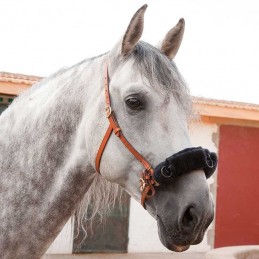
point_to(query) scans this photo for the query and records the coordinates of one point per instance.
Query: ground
(186, 255)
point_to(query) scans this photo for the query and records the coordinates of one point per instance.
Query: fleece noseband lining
(185, 161)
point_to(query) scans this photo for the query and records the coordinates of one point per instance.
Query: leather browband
(147, 181)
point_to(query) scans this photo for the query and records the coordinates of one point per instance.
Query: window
(5, 100)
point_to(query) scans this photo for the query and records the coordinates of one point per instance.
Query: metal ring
(209, 161)
(168, 175)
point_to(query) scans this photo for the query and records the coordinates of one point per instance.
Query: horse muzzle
(179, 235)
(193, 211)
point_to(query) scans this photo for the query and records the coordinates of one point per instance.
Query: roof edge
(225, 103)
(19, 78)
(210, 110)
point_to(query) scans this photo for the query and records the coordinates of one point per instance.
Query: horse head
(152, 106)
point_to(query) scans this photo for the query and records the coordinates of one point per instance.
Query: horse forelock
(162, 72)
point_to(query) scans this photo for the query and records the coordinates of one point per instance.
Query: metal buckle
(108, 111)
(148, 169)
(142, 184)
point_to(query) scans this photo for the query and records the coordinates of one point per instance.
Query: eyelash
(134, 103)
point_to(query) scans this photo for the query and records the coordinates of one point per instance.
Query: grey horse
(50, 135)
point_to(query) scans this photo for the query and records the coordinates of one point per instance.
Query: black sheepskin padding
(185, 161)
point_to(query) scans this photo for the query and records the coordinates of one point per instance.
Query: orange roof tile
(224, 103)
(14, 84)
(18, 78)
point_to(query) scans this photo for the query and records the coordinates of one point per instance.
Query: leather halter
(147, 181)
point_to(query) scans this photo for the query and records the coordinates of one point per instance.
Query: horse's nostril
(189, 219)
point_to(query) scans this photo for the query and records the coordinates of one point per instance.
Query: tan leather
(102, 147)
(147, 184)
(147, 181)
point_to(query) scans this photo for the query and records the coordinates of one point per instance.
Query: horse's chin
(169, 244)
(174, 243)
(179, 248)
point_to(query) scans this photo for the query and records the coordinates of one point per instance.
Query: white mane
(97, 203)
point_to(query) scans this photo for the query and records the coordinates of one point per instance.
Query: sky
(219, 55)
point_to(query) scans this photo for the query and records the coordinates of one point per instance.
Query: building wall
(63, 244)
(237, 210)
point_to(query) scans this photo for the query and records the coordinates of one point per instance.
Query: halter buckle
(108, 111)
(142, 184)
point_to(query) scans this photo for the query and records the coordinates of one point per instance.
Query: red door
(237, 208)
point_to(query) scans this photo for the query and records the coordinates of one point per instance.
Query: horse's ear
(134, 31)
(173, 39)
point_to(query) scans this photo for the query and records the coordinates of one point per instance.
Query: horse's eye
(133, 103)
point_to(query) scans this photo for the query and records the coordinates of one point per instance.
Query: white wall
(63, 244)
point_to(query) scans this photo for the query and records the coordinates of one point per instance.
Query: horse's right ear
(134, 32)
(173, 40)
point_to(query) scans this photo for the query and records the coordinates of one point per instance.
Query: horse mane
(97, 204)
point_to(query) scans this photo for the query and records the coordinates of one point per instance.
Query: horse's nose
(189, 219)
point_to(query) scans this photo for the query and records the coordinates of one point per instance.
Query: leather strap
(147, 184)
(102, 147)
(147, 180)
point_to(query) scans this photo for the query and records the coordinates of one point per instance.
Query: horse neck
(43, 164)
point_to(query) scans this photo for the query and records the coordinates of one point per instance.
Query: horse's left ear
(134, 31)
(173, 39)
